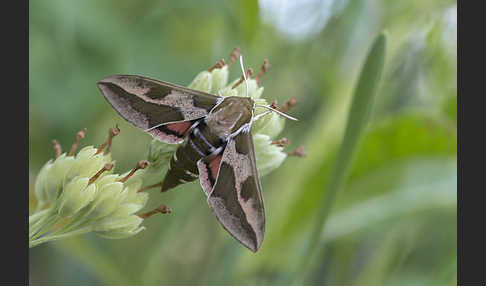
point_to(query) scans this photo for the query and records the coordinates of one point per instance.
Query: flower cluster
(80, 193)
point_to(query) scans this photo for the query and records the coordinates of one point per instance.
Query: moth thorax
(230, 115)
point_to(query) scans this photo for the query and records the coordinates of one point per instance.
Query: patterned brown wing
(236, 197)
(146, 103)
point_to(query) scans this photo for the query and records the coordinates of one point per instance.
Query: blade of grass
(410, 196)
(358, 118)
(249, 18)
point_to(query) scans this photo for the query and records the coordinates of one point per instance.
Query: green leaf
(358, 118)
(249, 18)
(425, 183)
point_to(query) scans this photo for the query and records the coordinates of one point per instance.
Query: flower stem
(45, 226)
(75, 222)
(39, 220)
(48, 238)
(33, 218)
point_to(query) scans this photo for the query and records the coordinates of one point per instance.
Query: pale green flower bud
(111, 211)
(107, 179)
(119, 227)
(82, 193)
(126, 209)
(55, 176)
(134, 200)
(228, 91)
(254, 91)
(220, 79)
(202, 82)
(40, 190)
(88, 163)
(212, 80)
(133, 196)
(271, 125)
(76, 195)
(160, 154)
(106, 200)
(268, 156)
(138, 198)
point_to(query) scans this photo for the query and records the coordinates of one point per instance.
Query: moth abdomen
(199, 143)
(175, 177)
(182, 167)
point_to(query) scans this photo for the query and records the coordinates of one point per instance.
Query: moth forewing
(149, 103)
(236, 197)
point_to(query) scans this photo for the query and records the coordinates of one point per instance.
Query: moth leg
(208, 168)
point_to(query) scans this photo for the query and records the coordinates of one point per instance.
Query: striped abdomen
(199, 143)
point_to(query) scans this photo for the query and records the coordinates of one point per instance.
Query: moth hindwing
(216, 146)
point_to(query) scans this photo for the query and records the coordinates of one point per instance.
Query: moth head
(269, 108)
(230, 115)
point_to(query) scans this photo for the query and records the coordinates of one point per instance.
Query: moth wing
(147, 103)
(235, 195)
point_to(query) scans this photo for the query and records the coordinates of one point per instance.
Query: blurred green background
(393, 223)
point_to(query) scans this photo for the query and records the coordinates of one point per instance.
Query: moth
(216, 145)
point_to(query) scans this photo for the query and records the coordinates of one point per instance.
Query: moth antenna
(163, 209)
(105, 168)
(219, 64)
(244, 75)
(79, 136)
(276, 111)
(260, 115)
(57, 148)
(153, 127)
(142, 164)
(262, 71)
(233, 55)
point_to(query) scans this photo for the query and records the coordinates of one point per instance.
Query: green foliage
(357, 120)
(392, 223)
